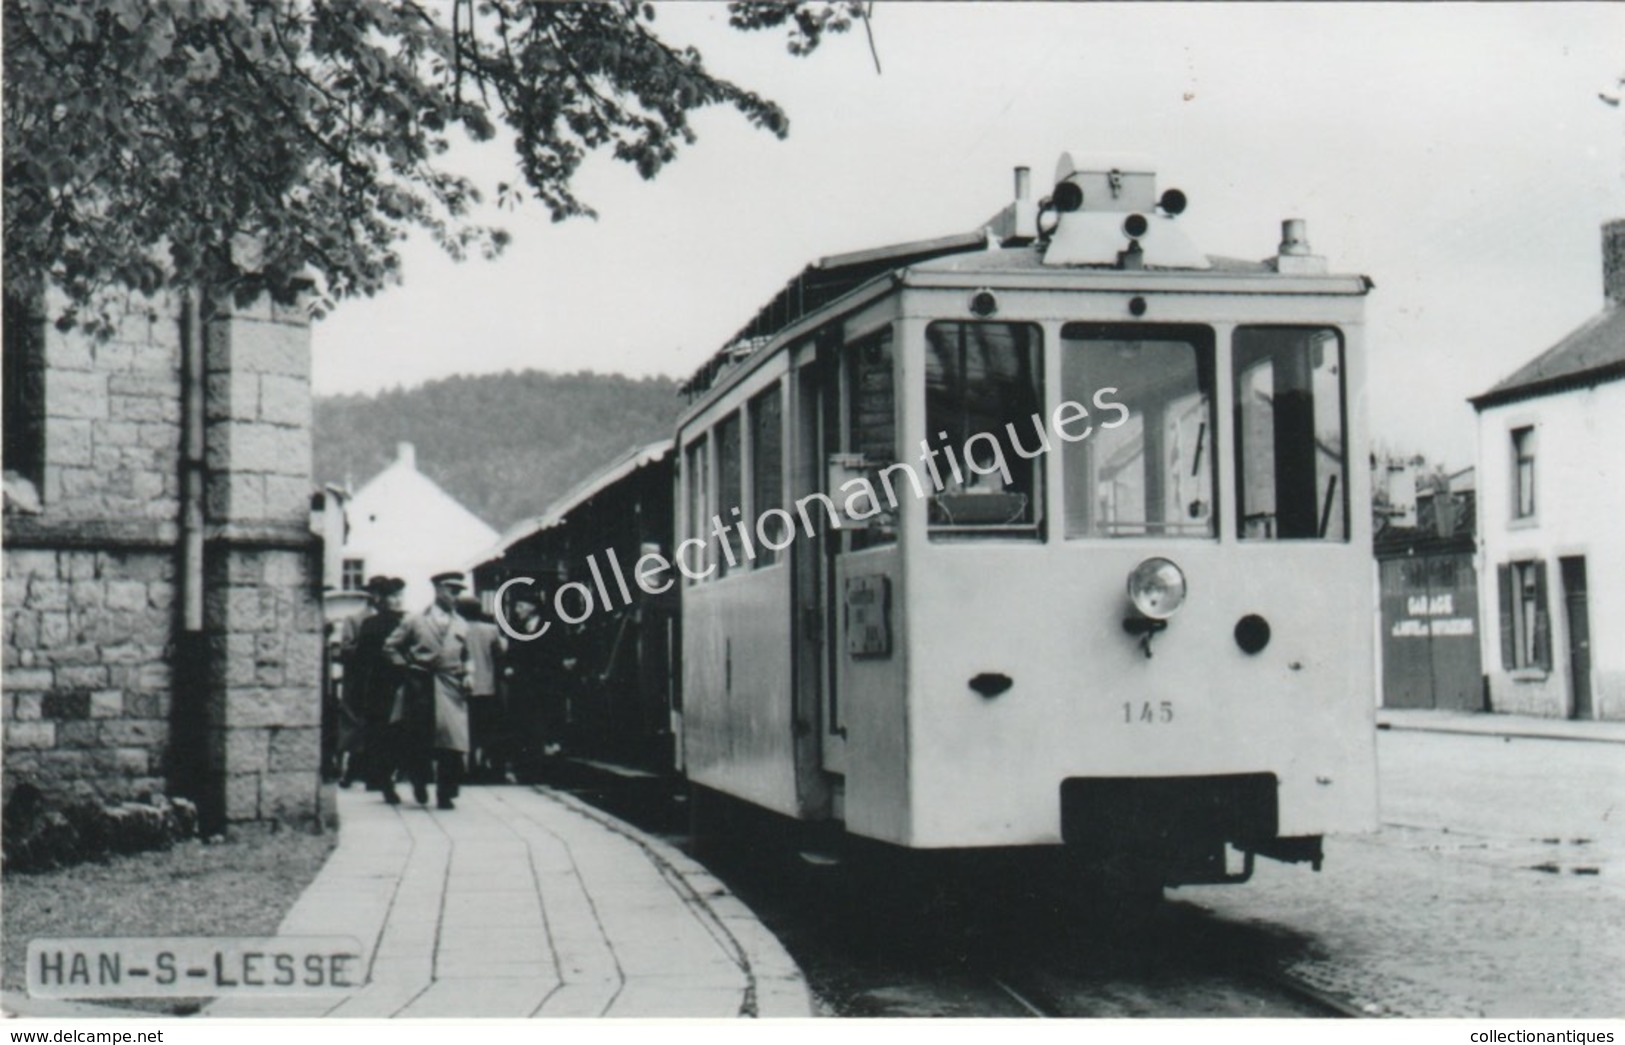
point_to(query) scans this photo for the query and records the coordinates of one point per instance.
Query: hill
(505, 445)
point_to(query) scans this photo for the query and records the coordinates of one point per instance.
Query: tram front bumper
(1157, 816)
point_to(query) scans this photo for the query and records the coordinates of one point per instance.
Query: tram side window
(871, 415)
(1145, 467)
(983, 412)
(1291, 457)
(698, 467)
(767, 476)
(730, 505)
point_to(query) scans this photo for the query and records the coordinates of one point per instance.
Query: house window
(353, 574)
(1523, 473)
(23, 356)
(1526, 641)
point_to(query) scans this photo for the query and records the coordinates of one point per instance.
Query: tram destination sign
(193, 966)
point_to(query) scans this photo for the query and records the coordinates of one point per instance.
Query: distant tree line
(505, 445)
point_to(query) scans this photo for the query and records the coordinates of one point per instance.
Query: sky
(1459, 155)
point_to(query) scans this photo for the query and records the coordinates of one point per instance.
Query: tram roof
(968, 254)
(1592, 353)
(822, 282)
(584, 491)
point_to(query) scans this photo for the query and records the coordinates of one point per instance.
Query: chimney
(1613, 261)
(406, 456)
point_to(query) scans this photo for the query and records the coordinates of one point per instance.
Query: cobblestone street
(1493, 888)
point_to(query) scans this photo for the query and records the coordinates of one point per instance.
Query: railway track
(1255, 993)
(932, 948)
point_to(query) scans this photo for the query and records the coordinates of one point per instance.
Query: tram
(1041, 536)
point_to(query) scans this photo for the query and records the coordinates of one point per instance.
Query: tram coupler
(1295, 850)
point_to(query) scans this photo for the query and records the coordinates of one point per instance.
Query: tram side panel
(738, 734)
(870, 718)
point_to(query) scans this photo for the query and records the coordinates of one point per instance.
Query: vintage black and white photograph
(790, 510)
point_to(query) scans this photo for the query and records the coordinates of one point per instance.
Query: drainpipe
(189, 688)
(192, 385)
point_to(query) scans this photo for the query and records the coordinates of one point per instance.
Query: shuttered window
(1526, 633)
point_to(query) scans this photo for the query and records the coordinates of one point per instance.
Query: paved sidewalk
(525, 902)
(1498, 725)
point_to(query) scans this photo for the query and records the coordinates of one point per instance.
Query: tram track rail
(1310, 994)
(1174, 959)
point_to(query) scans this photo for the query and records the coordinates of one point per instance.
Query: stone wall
(105, 696)
(87, 685)
(89, 584)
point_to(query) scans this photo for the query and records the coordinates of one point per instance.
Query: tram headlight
(1157, 588)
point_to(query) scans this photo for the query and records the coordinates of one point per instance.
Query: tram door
(816, 437)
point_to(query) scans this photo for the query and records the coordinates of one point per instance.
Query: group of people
(432, 696)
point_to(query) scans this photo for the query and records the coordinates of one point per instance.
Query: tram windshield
(1146, 467)
(983, 396)
(1291, 461)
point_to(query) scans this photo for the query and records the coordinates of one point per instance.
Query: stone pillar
(262, 610)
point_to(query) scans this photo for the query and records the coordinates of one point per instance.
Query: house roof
(1589, 355)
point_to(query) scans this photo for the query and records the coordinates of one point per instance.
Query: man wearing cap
(432, 710)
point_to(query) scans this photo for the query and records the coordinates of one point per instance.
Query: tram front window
(983, 396)
(1146, 467)
(1291, 463)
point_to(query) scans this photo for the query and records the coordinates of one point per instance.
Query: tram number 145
(1146, 711)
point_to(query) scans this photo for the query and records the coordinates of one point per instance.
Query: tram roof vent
(1293, 257)
(1106, 213)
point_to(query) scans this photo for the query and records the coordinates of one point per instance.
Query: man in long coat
(432, 712)
(372, 681)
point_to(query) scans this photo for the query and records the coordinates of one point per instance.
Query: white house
(1551, 497)
(402, 524)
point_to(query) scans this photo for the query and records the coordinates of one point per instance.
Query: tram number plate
(1158, 712)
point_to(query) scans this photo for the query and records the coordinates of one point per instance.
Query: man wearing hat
(431, 712)
(350, 733)
(372, 681)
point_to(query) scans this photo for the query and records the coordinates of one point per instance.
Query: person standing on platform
(431, 712)
(486, 646)
(374, 681)
(350, 719)
(531, 677)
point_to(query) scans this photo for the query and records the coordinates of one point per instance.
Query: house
(162, 623)
(403, 524)
(1552, 518)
